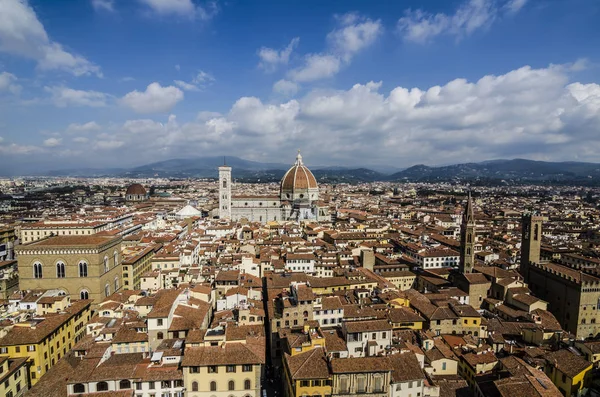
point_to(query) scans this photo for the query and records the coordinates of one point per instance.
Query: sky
(121, 83)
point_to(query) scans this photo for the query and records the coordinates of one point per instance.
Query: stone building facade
(86, 267)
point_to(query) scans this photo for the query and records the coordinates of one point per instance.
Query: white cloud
(285, 87)
(52, 142)
(355, 34)
(22, 34)
(86, 127)
(62, 96)
(177, 67)
(203, 77)
(420, 26)
(316, 67)
(80, 139)
(271, 59)
(156, 99)
(104, 5)
(186, 86)
(514, 6)
(15, 149)
(8, 83)
(182, 8)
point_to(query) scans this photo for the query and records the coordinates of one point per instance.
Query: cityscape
(275, 225)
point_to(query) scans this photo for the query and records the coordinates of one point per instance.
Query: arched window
(84, 294)
(116, 283)
(224, 183)
(37, 270)
(116, 258)
(469, 238)
(213, 386)
(83, 269)
(106, 290)
(101, 386)
(305, 314)
(194, 386)
(125, 384)
(468, 251)
(160, 336)
(78, 388)
(105, 264)
(60, 270)
(247, 384)
(535, 232)
(231, 385)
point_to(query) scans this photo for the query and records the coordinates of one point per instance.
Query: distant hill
(513, 171)
(516, 170)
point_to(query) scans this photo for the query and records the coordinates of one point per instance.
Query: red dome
(136, 189)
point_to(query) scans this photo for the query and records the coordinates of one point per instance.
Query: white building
(367, 338)
(298, 198)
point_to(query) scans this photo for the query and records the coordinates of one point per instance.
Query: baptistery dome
(299, 183)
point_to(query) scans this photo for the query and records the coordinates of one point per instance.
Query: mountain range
(494, 171)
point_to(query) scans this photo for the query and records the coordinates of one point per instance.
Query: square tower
(224, 192)
(531, 241)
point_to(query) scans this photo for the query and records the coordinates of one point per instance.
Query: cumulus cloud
(22, 34)
(527, 112)
(8, 83)
(104, 5)
(156, 99)
(271, 59)
(285, 87)
(420, 26)
(52, 142)
(353, 34)
(90, 126)
(182, 8)
(316, 67)
(186, 86)
(62, 96)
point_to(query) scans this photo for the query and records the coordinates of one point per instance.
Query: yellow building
(473, 364)
(44, 342)
(87, 267)
(13, 376)
(404, 318)
(9, 278)
(40, 230)
(137, 260)
(591, 350)
(569, 372)
(232, 369)
(307, 374)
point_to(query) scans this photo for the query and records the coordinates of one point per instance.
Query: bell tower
(224, 192)
(531, 241)
(467, 238)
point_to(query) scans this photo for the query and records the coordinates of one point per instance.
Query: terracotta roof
(308, 365)
(360, 364)
(228, 354)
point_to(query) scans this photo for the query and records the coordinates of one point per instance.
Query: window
(125, 384)
(84, 294)
(3, 350)
(304, 383)
(247, 368)
(160, 336)
(378, 384)
(194, 386)
(360, 388)
(83, 269)
(116, 258)
(443, 366)
(106, 290)
(195, 370)
(231, 385)
(213, 386)
(106, 268)
(101, 386)
(31, 348)
(213, 369)
(60, 270)
(344, 386)
(247, 384)
(78, 388)
(17, 349)
(151, 385)
(231, 368)
(383, 335)
(159, 322)
(116, 283)
(37, 270)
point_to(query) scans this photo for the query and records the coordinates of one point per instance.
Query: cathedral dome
(299, 182)
(136, 189)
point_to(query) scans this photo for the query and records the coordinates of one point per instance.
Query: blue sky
(112, 83)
